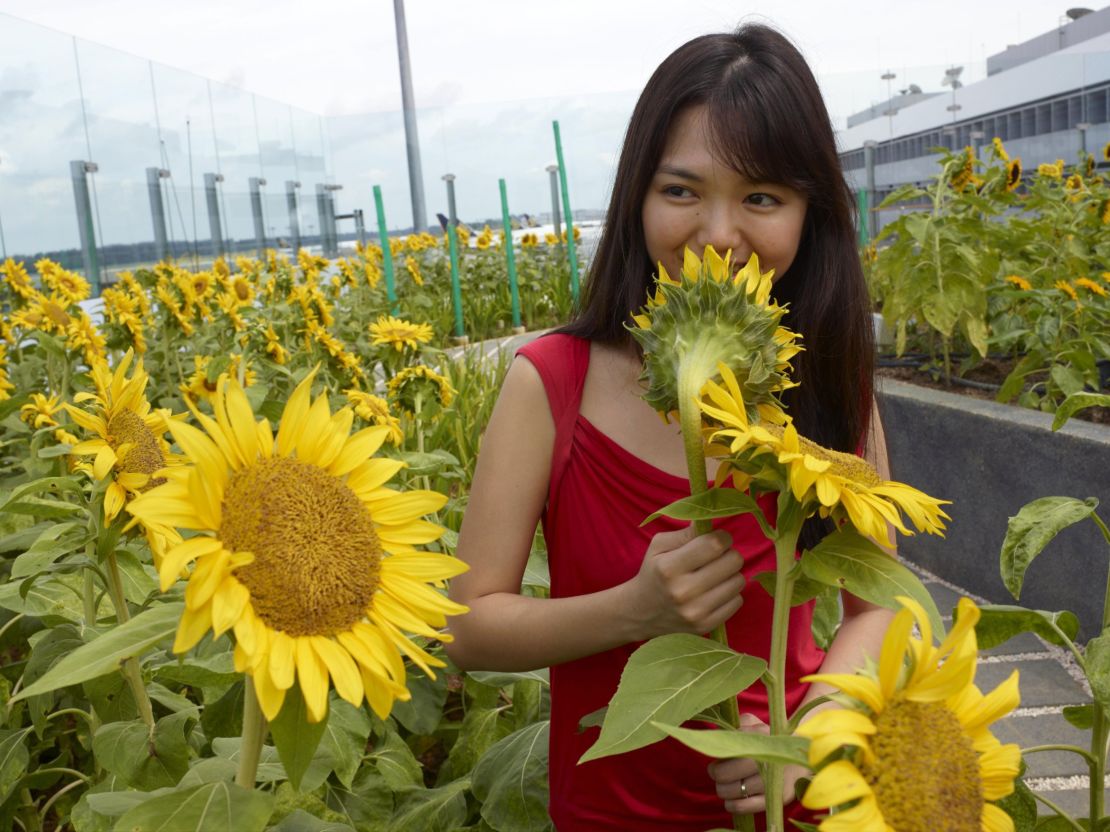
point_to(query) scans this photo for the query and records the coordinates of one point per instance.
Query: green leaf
(53, 485)
(422, 713)
(14, 758)
(396, 763)
(1081, 716)
(720, 744)
(214, 807)
(1000, 623)
(480, 729)
(847, 560)
(108, 652)
(301, 821)
(295, 737)
(367, 804)
(345, 738)
(1032, 528)
(208, 770)
(1076, 402)
(1021, 806)
(126, 749)
(56, 541)
(503, 679)
(805, 589)
(670, 679)
(49, 598)
(826, 618)
(511, 781)
(709, 505)
(430, 810)
(1097, 659)
(270, 769)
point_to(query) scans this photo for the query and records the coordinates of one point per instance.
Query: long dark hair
(768, 122)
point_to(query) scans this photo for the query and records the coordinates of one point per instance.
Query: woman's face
(695, 201)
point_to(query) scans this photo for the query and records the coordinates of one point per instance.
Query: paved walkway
(1050, 680)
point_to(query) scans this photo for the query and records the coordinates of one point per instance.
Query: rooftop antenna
(952, 79)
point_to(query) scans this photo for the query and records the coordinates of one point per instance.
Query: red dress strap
(562, 362)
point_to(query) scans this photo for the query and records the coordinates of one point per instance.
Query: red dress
(599, 493)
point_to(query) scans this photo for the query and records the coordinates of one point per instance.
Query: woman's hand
(739, 783)
(686, 584)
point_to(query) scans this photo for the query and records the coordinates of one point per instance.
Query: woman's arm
(686, 584)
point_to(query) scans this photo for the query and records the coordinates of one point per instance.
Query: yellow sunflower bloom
(399, 333)
(1000, 149)
(919, 752)
(1020, 282)
(1013, 174)
(1090, 286)
(128, 446)
(16, 277)
(835, 484)
(274, 349)
(375, 410)
(68, 285)
(242, 290)
(413, 268)
(200, 387)
(414, 387)
(1067, 289)
(40, 411)
(303, 552)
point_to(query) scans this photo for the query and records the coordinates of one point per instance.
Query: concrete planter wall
(990, 460)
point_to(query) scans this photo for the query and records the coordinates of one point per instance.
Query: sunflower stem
(692, 374)
(418, 405)
(788, 525)
(255, 729)
(130, 668)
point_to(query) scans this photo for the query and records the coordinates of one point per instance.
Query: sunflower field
(991, 263)
(230, 499)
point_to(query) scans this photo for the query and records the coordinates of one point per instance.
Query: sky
(489, 77)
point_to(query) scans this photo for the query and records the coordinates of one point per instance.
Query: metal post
(154, 177)
(453, 251)
(78, 170)
(212, 197)
(294, 214)
(977, 136)
(553, 170)
(510, 257)
(360, 227)
(572, 249)
(452, 215)
(872, 218)
(256, 183)
(322, 213)
(332, 249)
(387, 252)
(1082, 128)
(408, 103)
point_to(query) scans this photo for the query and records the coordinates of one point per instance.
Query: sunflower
(5, 385)
(1013, 174)
(398, 333)
(414, 387)
(82, 334)
(274, 349)
(835, 484)
(1090, 286)
(128, 446)
(230, 307)
(1051, 171)
(707, 317)
(414, 270)
(375, 410)
(200, 387)
(1106, 152)
(40, 411)
(68, 285)
(303, 552)
(551, 238)
(1000, 149)
(17, 279)
(914, 753)
(965, 173)
(1020, 282)
(1067, 289)
(47, 314)
(242, 290)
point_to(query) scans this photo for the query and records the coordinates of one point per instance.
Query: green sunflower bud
(708, 317)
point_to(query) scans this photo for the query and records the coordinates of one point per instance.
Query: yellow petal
(836, 784)
(270, 697)
(292, 418)
(282, 658)
(858, 687)
(105, 459)
(995, 819)
(358, 449)
(114, 499)
(343, 670)
(401, 508)
(194, 624)
(183, 554)
(313, 676)
(227, 605)
(893, 655)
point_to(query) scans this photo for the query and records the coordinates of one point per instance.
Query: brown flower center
(145, 454)
(926, 774)
(317, 556)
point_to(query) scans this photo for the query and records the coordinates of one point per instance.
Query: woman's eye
(763, 200)
(676, 190)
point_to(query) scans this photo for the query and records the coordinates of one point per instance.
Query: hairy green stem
(691, 376)
(1060, 812)
(1075, 749)
(130, 667)
(255, 729)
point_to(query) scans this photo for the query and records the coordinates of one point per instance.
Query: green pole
(387, 253)
(456, 289)
(864, 217)
(510, 257)
(568, 220)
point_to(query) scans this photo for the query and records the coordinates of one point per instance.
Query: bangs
(761, 139)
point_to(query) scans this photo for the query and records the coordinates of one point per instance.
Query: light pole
(408, 103)
(889, 76)
(952, 79)
(553, 170)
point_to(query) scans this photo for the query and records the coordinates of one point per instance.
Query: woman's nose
(721, 227)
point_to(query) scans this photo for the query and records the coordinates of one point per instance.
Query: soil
(990, 372)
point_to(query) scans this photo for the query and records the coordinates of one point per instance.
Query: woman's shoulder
(553, 346)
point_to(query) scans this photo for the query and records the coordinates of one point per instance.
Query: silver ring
(743, 789)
